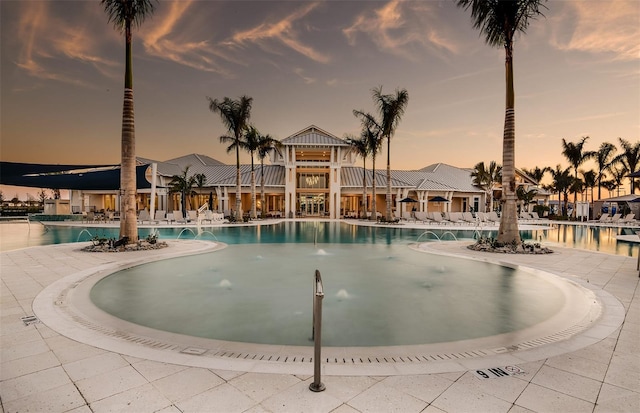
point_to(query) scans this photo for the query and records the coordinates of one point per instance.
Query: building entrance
(312, 204)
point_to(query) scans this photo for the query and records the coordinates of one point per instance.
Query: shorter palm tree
(372, 134)
(605, 159)
(486, 178)
(562, 181)
(266, 145)
(200, 182)
(630, 158)
(526, 196)
(183, 184)
(361, 147)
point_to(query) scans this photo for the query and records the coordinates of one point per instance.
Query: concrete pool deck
(42, 370)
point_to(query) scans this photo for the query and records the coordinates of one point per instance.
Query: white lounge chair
(493, 217)
(468, 217)
(143, 216)
(159, 216)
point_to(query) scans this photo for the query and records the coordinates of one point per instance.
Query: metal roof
(313, 136)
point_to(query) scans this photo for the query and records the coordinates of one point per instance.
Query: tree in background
(372, 134)
(266, 145)
(251, 143)
(576, 155)
(391, 108)
(562, 181)
(361, 148)
(630, 158)
(183, 184)
(486, 178)
(124, 14)
(200, 182)
(500, 20)
(589, 178)
(235, 116)
(604, 158)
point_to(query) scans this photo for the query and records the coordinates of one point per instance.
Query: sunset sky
(577, 73)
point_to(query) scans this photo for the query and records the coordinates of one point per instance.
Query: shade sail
(78, 177)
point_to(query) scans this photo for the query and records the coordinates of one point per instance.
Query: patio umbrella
(407, 199)
(438, 199)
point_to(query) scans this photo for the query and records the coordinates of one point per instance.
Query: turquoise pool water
(19, 235)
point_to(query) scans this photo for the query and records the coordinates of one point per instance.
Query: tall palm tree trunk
(364, 190)
(262, 200)
(373, 192)
(238, 186)
(388, 194)
(508, 232)
(128, 220)
(254, 213)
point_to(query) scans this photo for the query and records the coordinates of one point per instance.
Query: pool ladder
(316, 332)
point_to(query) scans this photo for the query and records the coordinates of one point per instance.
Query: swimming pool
(20, 234)
(376, 294)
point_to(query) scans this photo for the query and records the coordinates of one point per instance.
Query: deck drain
(30, 319)
(194, 351)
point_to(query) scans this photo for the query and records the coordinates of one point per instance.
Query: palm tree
(200, 182)
(576, 156)
(618, 175)
(500, 20)
(124, 14)
(590, 180)
(390, 108)
(487, 178)
(604, 158)
(562, 181)
(526, 196)
(266, 144)
(361, 148)
(630, 158)
(372, 135)
(536, 173)
(251, 144)
(235, 116)
(183, 184)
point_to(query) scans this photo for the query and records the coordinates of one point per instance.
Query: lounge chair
(454, 217)
(437, 217)
(421, 216)
(468, 217)
(178, 217)
(159, 216)
(615, 219)
(629, 219)
(143, 216)
(493, 217)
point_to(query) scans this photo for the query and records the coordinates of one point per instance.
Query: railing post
(318, 295)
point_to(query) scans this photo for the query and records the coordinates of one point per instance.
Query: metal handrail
(316, 334)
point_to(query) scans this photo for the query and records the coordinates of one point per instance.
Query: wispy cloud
(165, 41)
(398, 27)
(598, 27)
(281, 32)
(300, 72)
(45, 40)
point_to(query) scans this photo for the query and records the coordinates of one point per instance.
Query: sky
(576, 70)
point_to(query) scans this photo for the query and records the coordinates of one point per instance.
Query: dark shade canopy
(79, 177)
(636, 174)
(408, 200)
(438, 199)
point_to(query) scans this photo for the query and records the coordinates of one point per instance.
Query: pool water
(20, 234)
(376, 294)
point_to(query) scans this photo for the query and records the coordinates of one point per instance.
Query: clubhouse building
(313, 175)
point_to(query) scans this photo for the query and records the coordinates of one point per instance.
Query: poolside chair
(628, 219)
(178, 217)
(615, 219)
(468, 217)
(159, 216)
(454, 217)
(421, 216)
(437, 217)
(493, 217)
(143, 216)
